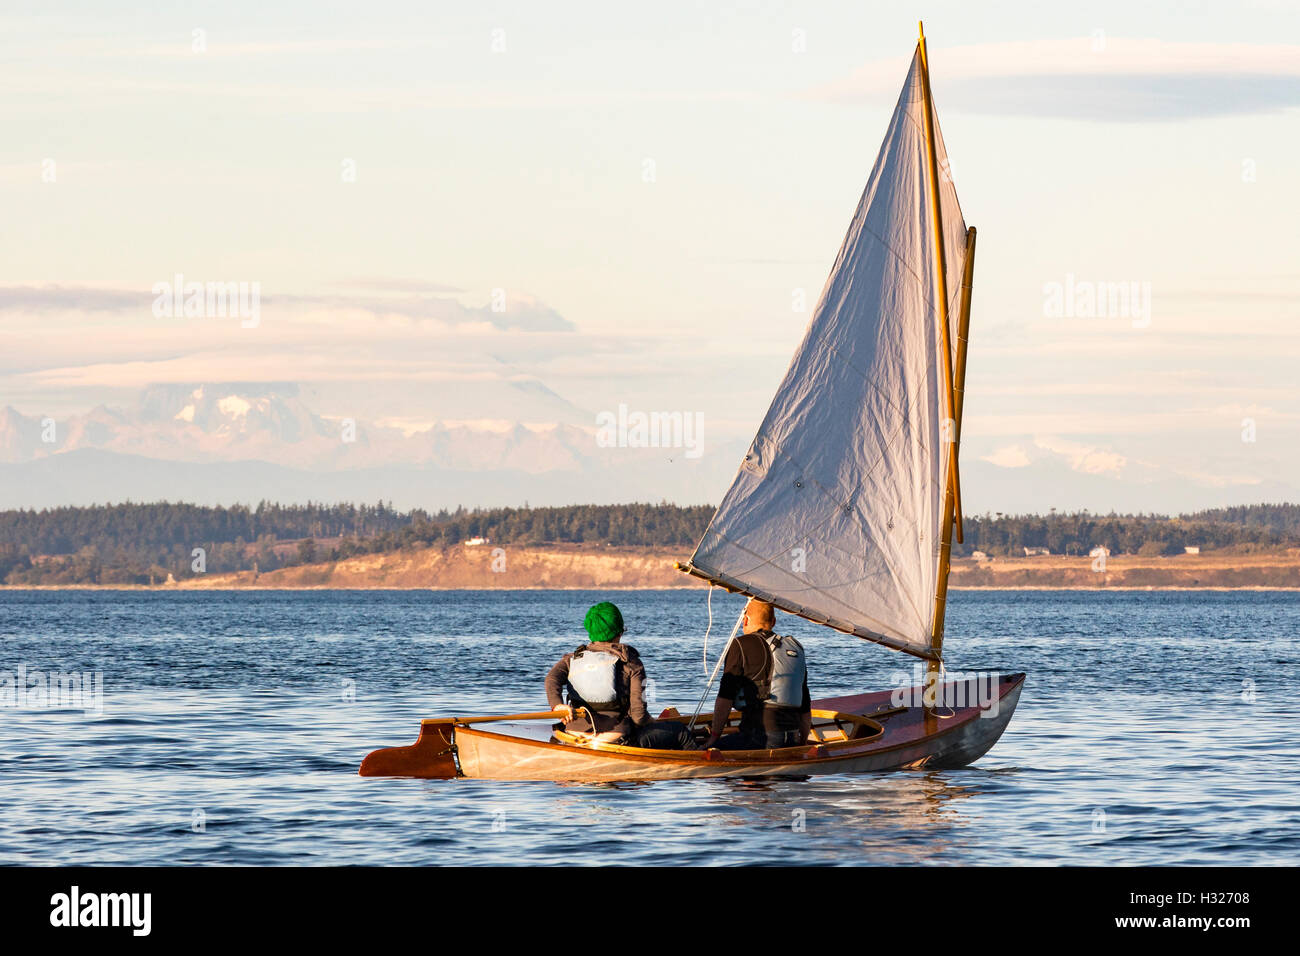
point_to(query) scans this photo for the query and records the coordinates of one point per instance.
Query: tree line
(1241, 528)
(144, 543)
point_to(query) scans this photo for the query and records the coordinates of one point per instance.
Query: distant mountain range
(491, 443)
(223, 444)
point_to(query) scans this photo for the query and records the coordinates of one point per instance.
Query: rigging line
(804, 586)
(811, 614)
(708, 629)
(940, 681)
(717, 667)
(816, 590)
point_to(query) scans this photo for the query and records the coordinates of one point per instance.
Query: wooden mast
(963, 332)
(941, 281)
(959, 375)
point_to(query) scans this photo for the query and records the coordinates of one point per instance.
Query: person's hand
(564, 710)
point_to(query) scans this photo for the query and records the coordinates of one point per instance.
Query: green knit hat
(603, 622)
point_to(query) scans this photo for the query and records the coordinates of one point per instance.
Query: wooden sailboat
(843, 511)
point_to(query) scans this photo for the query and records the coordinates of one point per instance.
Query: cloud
(373, 284)
(1116, 79)
(1086, 459)
(1012, 456)
(72, 298)
(1083, 458)
(215, 46)
(413, 300)
(404, 356)
(41, 93)
(1211, 480)
(511, 311)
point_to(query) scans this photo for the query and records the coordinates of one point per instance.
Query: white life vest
(591, 676)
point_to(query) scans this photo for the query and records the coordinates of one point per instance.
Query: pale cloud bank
(503, 309)
(1096, 77)
(1086, 459)
(1012, 456)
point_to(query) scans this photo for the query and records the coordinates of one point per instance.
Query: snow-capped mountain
(240, 442)
(271, 423)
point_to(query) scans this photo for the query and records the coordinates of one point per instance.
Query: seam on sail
(813, 588)
(842, 504)
(882, 633)
(922, 651)
(901, 415)
(890, 444)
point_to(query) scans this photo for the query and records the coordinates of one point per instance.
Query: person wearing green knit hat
(604, 622)
(606, 679)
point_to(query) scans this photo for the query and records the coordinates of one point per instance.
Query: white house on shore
(473, 542)
(1192, 549)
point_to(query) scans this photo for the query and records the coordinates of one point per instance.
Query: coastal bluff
(594, 567)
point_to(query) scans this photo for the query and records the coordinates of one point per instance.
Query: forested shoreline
(146, 543)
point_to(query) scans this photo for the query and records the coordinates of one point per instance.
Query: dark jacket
(747, 679)
(629, 679)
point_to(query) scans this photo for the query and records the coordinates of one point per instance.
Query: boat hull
(914, 738)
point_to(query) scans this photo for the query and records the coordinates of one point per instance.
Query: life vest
(789, 670)
(591, 676)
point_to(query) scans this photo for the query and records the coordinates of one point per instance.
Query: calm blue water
(236, 710)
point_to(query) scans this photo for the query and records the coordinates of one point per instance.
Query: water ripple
(1154, 729)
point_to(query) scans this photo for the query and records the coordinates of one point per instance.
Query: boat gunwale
(1013, 683)
(878, 731)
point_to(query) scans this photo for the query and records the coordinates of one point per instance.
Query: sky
(650, 190)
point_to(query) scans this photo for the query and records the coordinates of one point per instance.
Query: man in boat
(607, 678)
(766, 677)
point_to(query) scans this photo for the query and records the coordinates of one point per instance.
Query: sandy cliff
(601, 567)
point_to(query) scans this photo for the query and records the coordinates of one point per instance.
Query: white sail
(837, 509)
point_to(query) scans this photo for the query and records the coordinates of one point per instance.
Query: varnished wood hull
(913, 738)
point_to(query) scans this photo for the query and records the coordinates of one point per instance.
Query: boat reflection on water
(582, 785)
(897, 818)
(900, 819)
